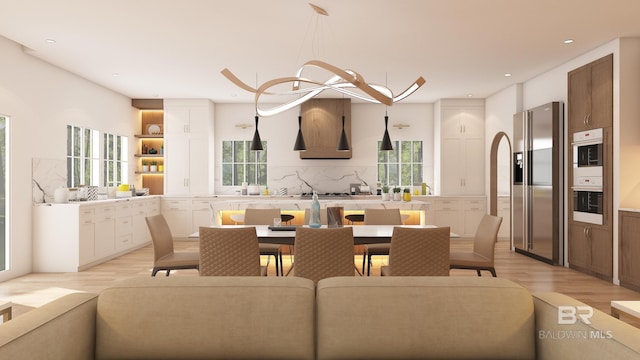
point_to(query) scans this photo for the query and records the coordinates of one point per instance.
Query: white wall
(41, 100)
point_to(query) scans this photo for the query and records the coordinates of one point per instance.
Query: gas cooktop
(328, 195)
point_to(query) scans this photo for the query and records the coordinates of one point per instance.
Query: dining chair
(230, 252)
(323, 253)
(265, 217)
(418, 252)
(378, 217)
(164, 258)
(484, 243)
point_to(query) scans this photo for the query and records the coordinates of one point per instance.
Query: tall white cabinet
(462, 146)
(189, 152)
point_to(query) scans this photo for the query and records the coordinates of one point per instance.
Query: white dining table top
(361, 233)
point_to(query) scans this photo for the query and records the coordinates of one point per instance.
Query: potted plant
(397, 196)
(406, 196)
(145, 166)
(385, 193)
(154, 166)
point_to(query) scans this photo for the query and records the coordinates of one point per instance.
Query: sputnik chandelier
(347, 82)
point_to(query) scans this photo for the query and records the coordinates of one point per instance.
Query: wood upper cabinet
(629, 248)
(591, 95)
(322, 126)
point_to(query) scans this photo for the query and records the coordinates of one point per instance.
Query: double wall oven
(588, 155)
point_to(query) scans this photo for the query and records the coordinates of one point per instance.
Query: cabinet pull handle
(589, 119)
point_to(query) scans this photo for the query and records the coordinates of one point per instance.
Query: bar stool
(286, 218)
(354, 218)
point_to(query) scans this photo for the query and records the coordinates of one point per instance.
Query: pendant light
(343, 144)
(386, 140)
(386, 145)
(256, 143)
(300, 145)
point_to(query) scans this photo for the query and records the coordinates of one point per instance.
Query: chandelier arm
(410, 90)
(356, 80)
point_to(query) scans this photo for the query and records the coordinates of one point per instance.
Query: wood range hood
(322, 126)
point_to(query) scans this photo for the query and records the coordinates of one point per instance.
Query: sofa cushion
(61, 329)
(206, 317)
(424, 318)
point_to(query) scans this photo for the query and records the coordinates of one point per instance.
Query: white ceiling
(176, 49)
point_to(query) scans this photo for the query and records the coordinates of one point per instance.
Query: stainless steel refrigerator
(538, 191)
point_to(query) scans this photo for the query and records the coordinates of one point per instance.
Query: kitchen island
(224, 209)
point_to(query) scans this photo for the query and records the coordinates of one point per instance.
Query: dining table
(286, 235)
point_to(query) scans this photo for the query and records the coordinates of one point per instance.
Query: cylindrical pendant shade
(300, 145)
(343, 144)
(386, 140)
(256, 143)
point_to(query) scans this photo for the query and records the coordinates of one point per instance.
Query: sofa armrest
(605, 338)
(61, 329)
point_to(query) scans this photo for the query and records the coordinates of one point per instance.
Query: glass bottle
(314, 213)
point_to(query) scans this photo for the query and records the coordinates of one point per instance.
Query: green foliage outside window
(401, 166)
(240, 163)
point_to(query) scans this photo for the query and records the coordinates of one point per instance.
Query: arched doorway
(500, 182)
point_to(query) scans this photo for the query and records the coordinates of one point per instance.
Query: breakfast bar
(224, 209)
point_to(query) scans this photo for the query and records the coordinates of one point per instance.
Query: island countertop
(296, 203)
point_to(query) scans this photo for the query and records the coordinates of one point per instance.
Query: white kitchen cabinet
(185, 215)
(76, 236)
(461, 214)
(177, 213)
(188, 147)
(461, 147)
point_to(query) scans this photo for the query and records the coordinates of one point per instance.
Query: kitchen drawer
(124, 241)
(86, 215)
(200, 204)
(475, 204)
(124, 208)
(446, 204)
(123, 225)
(104, 213)
(175, 204)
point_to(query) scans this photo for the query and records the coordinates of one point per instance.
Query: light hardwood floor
(34, 290)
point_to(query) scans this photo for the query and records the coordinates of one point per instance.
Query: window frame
(115, 167)
(243, 164)
(397, 168)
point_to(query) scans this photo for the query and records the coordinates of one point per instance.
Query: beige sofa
(290, 318)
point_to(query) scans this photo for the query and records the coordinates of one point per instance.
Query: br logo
(569, 315)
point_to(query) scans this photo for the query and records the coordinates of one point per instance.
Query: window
(115, 164)
(4, 176)
(83, 156)
(240, 164)
(402, 166)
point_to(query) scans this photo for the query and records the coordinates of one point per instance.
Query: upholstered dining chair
(484, 243)
(164, 258)
(418, 252)
(265, 217)
(323, 253)
(230, 252)
(378, 217)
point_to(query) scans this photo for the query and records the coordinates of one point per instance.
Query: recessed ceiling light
(50, 41)
(568, 41)
(507, 74)
(115, 74)
(469, 95)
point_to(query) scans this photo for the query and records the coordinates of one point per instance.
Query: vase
(153, 168)
(386, 197)
(145, 168)
(397, 196)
